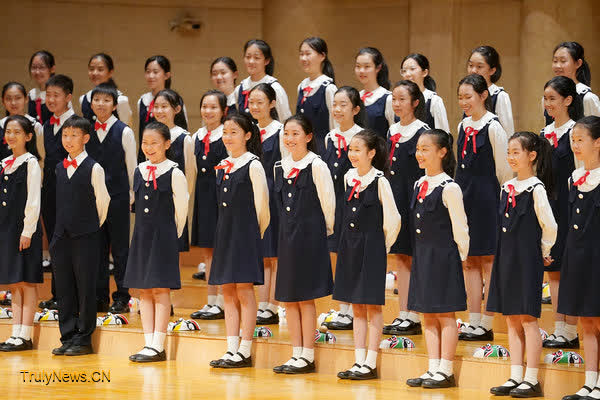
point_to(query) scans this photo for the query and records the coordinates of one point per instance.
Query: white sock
(220, 301)
(402, 315)
(414, 317)
(370, 361)
(148, 339)
(530, 376)
(350, 312)
(233, 343)
(205, 308)
(590, 381)
(445, 368)
(516, 374)
(212, 299)
(245, 349)
(16, 331)
(262, 305)
(296, 353)
(343, 308)
(474, 320)
(487, 322)
(272, 307)
(558, 328)
(26, 332)
(570, 331)
(360, 355)
(434, 364)
(595, 394)
(158, 340)
(308, 354)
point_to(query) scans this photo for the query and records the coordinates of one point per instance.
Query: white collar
(494, 89)
(18, 161)
(109, 123)
(433, 181)
(592, 180)
(80, 157)
(428, 94)
(35, 93)
(521, 186)
(468, 121)
(560, 131)
(377, 93)
(315, 83)
(231, 99)
(365, 180)
(66, 115)
(215, 134)
(582, 87)
(177, 131)
(248, 83)
(348, 135)
(240, 161)
(271, 129)
(147, 98)
(161, 168)
(288, 163)
(407, 131)
(3, 122)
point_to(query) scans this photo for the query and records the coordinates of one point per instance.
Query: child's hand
(24, 243)
(548, 260)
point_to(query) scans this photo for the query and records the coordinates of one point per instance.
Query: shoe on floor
(341, 326)
(142, 358)
(308, 368)
(413, 328)
(530, 391)
(119, 307)
(561, 344)
(60, 351)
(280, 369)
(51, 304)
(201, 276)
(215, 312)
(447, 382)
(243, 363)
(218, 363)
(359, 376)
(395, 323)
(25, 345)
(504, 390)
(578, 397)
(417, 382)
(272, 319)
(78, 350)
(474, 337)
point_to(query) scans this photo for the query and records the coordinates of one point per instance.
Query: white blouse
(282, 104)
(348, 135)
(178, 185)
(34, 185)
(377, 93)
(453, 200)
(330, 90)
(591, 181)
(591, 103)
(542, 208)
(123, 107)
(322, 180)
(503, 108)
(437, 109)
(391, 216)
(270, 130)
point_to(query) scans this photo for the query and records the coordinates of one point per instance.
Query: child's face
(103, 106)
(564, 65)
(585, 147)
(259, 105)
(98, 72)
(154, 146)
(518, 158)
(359, 154)
(234, 138)
(156, 76)
(222, 77)
(478, 65)
(295, 139)
(310, 60)
(470, 101)
(411, 71)
(57, 100)
(211, 111)
(39, 71)
(342, 108)
(164, 111)
(554, 103)
(365, 69)
(74, 140)
(429, 155)
(402, 103)
(255, 60)
(14, 101)
(15, 136)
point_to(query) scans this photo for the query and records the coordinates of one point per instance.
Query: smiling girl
(223, 74)
(41, 68)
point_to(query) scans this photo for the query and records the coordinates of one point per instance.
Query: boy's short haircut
(61, 81)
(77, 122)
(108, 89)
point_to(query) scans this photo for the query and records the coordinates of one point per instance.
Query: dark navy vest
(315, 109)
(55, 152)
(376, 116)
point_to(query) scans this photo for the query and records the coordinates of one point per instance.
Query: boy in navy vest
(59, 90)
(81, 206)
(112, 145)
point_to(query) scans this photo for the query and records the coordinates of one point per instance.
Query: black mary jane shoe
(60, 351)
(201, 276)
(25, 345)
(218, 363)
(243, 363)
(487, 335)
(119, 307)
(347, 373)
(342, 326)
(308, 368)
(417, 382)
(79, 350)
(272, 319)
(359, 376)
(213, 316)
(6, 344)
(280, 369)
(413, 328)
(158, 356)
(395, 323)
(531, 391)
(504, 390)
(197, 314)
(561, 344)
(578, 397)
(447, 382)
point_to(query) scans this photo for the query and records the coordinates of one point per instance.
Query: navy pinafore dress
(315, 109)
(428, 119)
(178, 156)
(303, 265)
(376, 116)
(271, 154)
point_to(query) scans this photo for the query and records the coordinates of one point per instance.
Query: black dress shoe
(219, 362)
(5, 302)
(157, 356)
(578, 397)
(49, 304)
(119, 307)
(561, 344)
(280, 369)
(201, 276)
(308, 368)
(447, 382)
(504, 390)
(547, 300)
(243, 363)
(417, 382)
(101, 306)
(272, 319)
(531, 391)
(473, 337)
(359, 376)
(60, 351)
(79, 350)
(394, 324)
(341, 326)
(346, 374)
(25, 345)
(197, 314)
(3, 344)
(413, 328)
(210, 316)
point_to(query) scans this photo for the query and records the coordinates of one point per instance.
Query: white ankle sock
(272, 307)
(26, 332)
(516, 374)
(434, 364)
(446, 367)
(487, 322)
(403, 315)
(220, 300)
(212, 299)
(474, 320)
(350, 312)
(370, 361)
(343, 308)
(233, 343)
(414, 317)
(558, 328)
(245, 349)
(16, 331)
(360, 355)
(296, 353)
(531, 375)
(308, 354)
(158, 340)
(570, 331)
(148, 339)
(590, 381)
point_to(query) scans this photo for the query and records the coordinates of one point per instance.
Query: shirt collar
(348, 135)
(468, 121)
(582, 87)
(231, 99)
(36, 93)
(288, 163)
(407, 131)
(592, 180)
(248, 83)
(560, 131)
(428, 94)
(365, 180)
(240, 161)
(80, 157)
(315, 83)
(109, 122)
(521, 186)
(176, 131)
(271, 129)
(377, 93)
(147, 98)
(433, 181)
(494, 89)
(18, 161)
(161, 168)
(66, 115)
(215, 134)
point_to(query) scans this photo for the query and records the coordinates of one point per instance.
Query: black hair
(221, 100)
(268, 90)
(265, 49)
(383, 74)
(443, 140)
(164, 63)
(492, 58)
(174, 99)
(566, 87)
(163, 130)
(77, 122)
(360, 119)
(543, 161)
(10, 85)
(108, 89)
(423, 62)
(479, 86)
(28, 127)
(415, 94)
(244, 121)
(108, 61)
(227, 61)
(306, 126)
(61, 81)
(320, 46)
(375, 142)
(592, 124)
(583, 74)
(46, 57)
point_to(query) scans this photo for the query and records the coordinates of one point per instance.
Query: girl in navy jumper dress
(41, 68)
(260, 65)
(415, 67)
(100, 70)
(349, 114)
(224, 73)
(372, 72)
(161, 199)
(166, 107)
(409, 106)
(485, 61)
(304, 192)
(261, 103)
(315, 93)
(482, 168)
(157, 72)
(237, 264)
(564, 106)
(209, 151)
(526, 234)
(370, 224)
(20, 229)
(437, 287)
